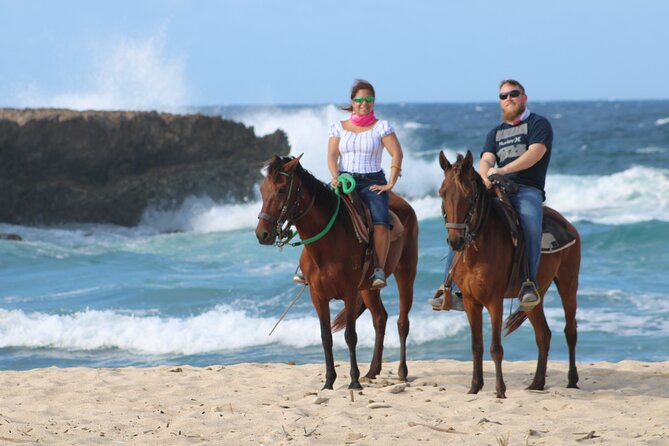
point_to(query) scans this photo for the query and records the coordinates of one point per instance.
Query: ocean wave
(217, 330)
(224, 329)
(662, 121)
(638, 194)
(635, 195)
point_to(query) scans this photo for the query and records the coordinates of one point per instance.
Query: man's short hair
(513, 82)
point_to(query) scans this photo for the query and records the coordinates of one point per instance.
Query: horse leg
(496, 350)
(475, 316)
(375, 306)
(542, 336)
(350, 304)
(567, 290)
(405, 275)
(322, 307)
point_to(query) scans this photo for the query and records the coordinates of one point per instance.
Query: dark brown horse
(333, 264)
(485, 267)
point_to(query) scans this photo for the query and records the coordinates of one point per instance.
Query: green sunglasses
(368, 99)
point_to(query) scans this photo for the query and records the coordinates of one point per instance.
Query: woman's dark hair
(359, 84)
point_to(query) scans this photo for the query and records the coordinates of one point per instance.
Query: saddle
(554, 236)
(363, 227)
(362, 219)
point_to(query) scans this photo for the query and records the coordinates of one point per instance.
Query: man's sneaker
(298, 277)
(529, 296)
(378, 279)
(437, 301)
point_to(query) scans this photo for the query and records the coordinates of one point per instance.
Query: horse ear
(292, 164)
(443, 162)
(469, 159)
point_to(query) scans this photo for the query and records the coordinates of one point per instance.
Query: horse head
(280, 196)
(459, 193)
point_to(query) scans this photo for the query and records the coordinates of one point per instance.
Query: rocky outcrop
(61, 166)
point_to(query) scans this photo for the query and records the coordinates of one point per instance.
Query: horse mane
(323, 192)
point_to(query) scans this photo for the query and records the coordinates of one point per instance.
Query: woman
(355, 146)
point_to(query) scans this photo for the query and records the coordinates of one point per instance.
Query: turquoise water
(99, 295)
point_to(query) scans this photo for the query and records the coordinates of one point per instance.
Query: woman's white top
(360, 152)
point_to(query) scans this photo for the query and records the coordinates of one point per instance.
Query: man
(520, 147)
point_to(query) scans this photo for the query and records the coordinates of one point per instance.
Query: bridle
(483, 212)
(290, 212)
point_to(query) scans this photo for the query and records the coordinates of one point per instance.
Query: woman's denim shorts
(377, 203)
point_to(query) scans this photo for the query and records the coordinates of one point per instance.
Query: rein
(285, 221)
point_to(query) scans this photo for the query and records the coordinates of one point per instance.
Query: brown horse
(485, 267)
(333, 264)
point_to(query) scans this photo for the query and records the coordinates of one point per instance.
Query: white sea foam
(128, 74)
(224, 328)
(217, 330)
(634, 195)
(307, 130)
(651, 150)
(414, 125)
(662, 121)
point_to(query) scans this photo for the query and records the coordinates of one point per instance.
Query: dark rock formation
(106, 167)
(13, 237)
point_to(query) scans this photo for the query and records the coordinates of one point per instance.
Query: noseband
(478, 196)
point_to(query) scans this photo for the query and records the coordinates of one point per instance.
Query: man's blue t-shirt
(507, 142)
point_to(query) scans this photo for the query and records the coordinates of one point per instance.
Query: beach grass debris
(586, 435)
(448, 430)
(485, 420)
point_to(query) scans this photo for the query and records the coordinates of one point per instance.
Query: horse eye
(282, 190)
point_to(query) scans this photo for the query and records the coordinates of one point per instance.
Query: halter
(470, 235)
(286, 218)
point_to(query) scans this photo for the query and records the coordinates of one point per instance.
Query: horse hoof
(355, 386)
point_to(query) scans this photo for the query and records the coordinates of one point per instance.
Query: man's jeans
(528, 203)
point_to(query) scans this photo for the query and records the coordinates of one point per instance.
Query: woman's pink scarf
(363, 121)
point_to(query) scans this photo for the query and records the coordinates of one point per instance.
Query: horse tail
(340, 320)
(514, 321)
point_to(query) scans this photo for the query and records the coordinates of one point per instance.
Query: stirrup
(437, 301)
(298, 277)
(529, 296)
(378, 279)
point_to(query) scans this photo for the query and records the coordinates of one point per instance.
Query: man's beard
(512, 115)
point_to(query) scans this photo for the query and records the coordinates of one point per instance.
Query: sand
(624, 403)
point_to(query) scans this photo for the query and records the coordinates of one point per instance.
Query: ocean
(193, 286)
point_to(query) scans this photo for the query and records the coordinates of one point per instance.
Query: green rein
(347, 185)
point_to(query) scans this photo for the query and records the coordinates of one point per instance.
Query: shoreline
(282, 404)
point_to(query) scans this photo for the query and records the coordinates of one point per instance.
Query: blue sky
(171, 53)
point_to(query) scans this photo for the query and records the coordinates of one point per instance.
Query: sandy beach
(622, 403)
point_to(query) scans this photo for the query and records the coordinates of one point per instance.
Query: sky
(145, 54)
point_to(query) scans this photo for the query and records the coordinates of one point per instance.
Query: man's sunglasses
(512, 93)
(368, 99)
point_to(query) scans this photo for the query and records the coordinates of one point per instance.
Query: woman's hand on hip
(381, 188)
